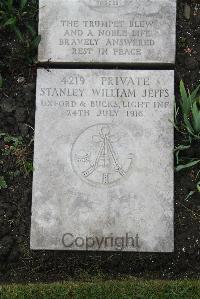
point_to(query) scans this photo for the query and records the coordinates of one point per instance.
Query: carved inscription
(107, 3)
(124, 31)
(103, 160)
(118, 38)
(111, 96)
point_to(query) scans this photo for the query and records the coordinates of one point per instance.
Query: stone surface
(109, 31)
(103, 160)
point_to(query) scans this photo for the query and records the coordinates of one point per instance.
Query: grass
(125, 288)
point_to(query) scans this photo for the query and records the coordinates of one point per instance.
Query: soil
(17, 108)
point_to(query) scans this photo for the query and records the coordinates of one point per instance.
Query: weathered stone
(103, 160)
(123, 31)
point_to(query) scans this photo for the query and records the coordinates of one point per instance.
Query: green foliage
(27, 52)
(190, 194)
(187, 123)
(197, 190)
(182, 41)
(190, 108)
(3, 184)
(11, 15)
(188, 165)
(18, 17)
(15, 147)
(196, 118)
(179, 149)
(181, 162)
(29, 166)
(12, 143)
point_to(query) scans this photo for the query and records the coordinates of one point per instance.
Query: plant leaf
(189, 194)
(23, 4)
(178, 149)
(185, 100)
(176, 111)
(194, 93)
(18, 33)
(190, 164)
(196, 118)
(181, 147)
(9, 4)
(198, 186)
(35, 42)
(3, 184)
(31, 29)
(10, 22)
(188, 125)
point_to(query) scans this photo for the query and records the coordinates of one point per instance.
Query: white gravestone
(109, 31)
(103, 160)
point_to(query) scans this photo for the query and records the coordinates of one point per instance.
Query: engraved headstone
(103, 160)
(109, 31)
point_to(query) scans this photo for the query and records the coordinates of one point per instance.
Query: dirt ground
(17, 108)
